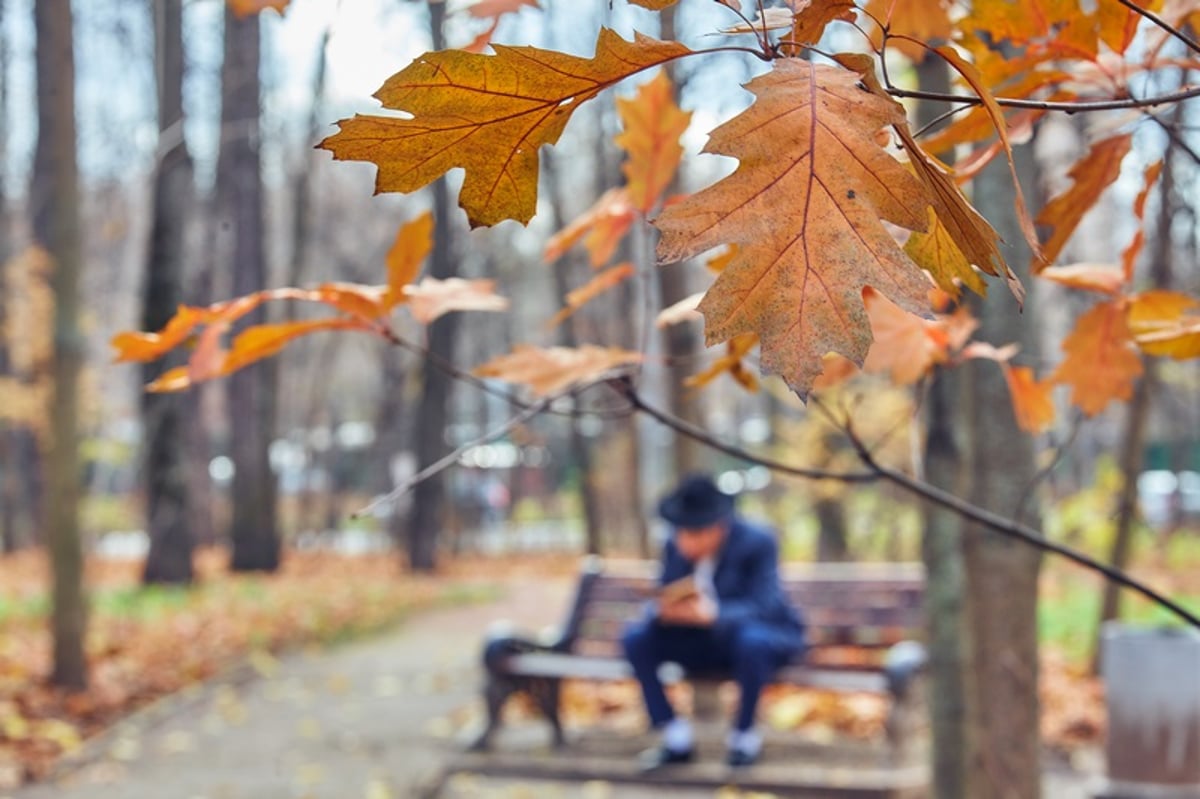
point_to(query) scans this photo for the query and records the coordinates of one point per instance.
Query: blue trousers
(752, 652)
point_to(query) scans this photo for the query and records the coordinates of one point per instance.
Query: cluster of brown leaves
(152, 649)
(830, 242)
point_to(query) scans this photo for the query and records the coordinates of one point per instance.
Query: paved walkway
(376, 719)
(369, 720)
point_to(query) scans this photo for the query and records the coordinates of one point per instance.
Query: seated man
(720, 609)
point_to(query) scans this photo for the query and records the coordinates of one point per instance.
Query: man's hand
(694, 611)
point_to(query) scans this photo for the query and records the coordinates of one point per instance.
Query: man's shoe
(740, 758)
(658, 757)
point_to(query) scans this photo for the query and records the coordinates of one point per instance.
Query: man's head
(700, 513)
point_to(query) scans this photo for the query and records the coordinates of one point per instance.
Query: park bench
(863, 623)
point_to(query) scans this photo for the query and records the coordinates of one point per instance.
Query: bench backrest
(856, 605)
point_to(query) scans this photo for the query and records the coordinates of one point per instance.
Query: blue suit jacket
(746, 580)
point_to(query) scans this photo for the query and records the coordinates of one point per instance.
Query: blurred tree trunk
(164, 420)
(240, 208)
(831, 529)
(54, 206)
(9, 485)
(1138, 413)
(426, 517)
(941, 546)
(683, 341)
(1001, 574)
(568, 266)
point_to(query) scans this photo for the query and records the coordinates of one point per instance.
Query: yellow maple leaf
(805, 207)
(487, 115)
(550, 371)
(1101, 361)
(652, 125)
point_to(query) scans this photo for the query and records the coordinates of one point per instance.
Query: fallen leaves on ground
(143, 645)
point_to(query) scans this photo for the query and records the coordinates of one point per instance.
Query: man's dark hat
(696, 502)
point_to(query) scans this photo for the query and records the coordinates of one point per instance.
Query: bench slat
(578, 667)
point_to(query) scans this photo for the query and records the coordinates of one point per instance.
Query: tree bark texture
(941, 549)
(54, 200)
(164, 465)
(253, 528)
(429, 497)
(1001, 574)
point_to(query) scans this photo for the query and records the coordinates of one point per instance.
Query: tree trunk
(941, 549)
(164, 415)
(9, 491)
(1001, 574)
(54, 200)
(831, 530)
(683, 341)
(427, 515)
(580, 451)
(253, 530)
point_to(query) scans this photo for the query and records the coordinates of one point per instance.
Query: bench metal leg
(496, 692)
(907, 719)
(547, 693)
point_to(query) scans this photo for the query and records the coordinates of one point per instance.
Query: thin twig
(1016, 530)
(1068, 107)
(626, 389)
(451, 458)
(1162, 23)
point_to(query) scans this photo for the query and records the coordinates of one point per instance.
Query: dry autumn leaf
(599, 284)
(601, 228)
(550, 371)
(736, 349)
(246, 8)
(410, 249)
(488, 115)
(486, 9)
(1104, 278)
(1091, 175)
(652, 126)
(1131, 252)
(925, 21)
(807, 144)
(1166, 323)
(685, 310)
(432, 298)
(813, 16)
(905, 346)
(1101, 362)
(1033, 405)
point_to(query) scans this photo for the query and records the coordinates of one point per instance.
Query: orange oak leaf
(654, 5)
(601, 228)
(835, 370)
(808, 145)
(736, 349)
(905, 346)
(923, 20)
(1101, 362)
(550, 371)
(247, 8)
(487, 9)
(1117, 24)
(685, 310)
(653, 124)
(773, 19)
(813, 16)
(433, 298)
(1104, 278)
(488, 115)
(143, 347)
(1033, 405)
(1092, 174)
(409, 250)
(1166, 323)
(975, 80)
(252, 344)
(1131, 252)
(958, 238)
(599, 284)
